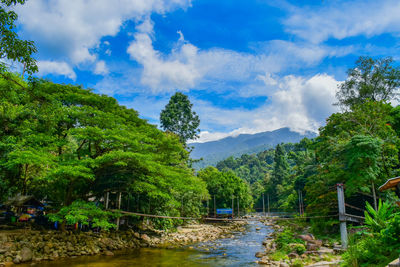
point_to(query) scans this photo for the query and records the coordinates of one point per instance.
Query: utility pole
(238, 214)
(342, 215)
(232, 205)
(208, 208)
(263, 205)
(119, 207)
(107, 199)
(215, 208)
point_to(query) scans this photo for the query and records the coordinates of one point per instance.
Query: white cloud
(101, 68)
(341, 19)
(187, 67)
(56, 67)
(298, 103)
(176, 71)
(69, 29)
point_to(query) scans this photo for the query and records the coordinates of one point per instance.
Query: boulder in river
(26, 254)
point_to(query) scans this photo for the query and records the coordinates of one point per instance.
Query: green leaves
(377, 220)
(178, 118)
(11, 47)
(371, 79)
(84, 213)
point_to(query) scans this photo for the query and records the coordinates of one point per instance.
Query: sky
(247, 65)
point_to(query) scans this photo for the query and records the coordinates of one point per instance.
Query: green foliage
(379, 243)
(84, 213)
(223, 185)
(287, 237)
(11, 47)
(371, 79)
(377, 220)
(177, 117)
(64, 143)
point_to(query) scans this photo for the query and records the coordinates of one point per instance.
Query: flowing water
(236, 251)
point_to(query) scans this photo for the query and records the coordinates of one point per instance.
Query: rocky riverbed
(25, 246)
(310, 252)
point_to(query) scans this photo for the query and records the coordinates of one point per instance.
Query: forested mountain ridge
(214, 151)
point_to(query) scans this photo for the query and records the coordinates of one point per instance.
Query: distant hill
(214, 151)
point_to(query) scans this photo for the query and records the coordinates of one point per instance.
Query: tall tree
(177, 117)
(11, 47)
(373, 79)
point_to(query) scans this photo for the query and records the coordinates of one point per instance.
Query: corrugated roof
(390, 183)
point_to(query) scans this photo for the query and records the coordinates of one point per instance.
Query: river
(236, 251)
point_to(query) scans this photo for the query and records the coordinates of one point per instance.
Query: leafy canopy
(11, 47)
(177, 117)
(373, 79)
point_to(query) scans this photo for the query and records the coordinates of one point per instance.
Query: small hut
(25, 207)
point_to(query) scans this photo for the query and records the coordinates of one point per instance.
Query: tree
(11, 47)
(225, 184)
(373, 79)
(281, 167)
(362, 157)
(177, 117)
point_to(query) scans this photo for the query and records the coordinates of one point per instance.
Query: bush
(84, 213)
(285, 241)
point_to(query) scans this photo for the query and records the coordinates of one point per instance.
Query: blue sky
(247, 66)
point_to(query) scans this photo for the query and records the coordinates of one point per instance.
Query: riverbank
(293, 245)
(26, 246)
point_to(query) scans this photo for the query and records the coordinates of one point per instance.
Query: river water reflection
(237, 251)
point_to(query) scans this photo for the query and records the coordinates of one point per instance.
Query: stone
(312, 246)
(26, 254)
(307, 237)
(284, 264)
(17, 259)
(325, 250)
(145, 238)
(260, 254)
(108, 253)
(264, 261)
(293, 255)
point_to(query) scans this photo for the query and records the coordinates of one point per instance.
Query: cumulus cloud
(342, 19)
(56, 67)
(71, 28)
(187, 67)
(298, 103)
(176, 71)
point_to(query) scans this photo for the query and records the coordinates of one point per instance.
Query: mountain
(214, 151)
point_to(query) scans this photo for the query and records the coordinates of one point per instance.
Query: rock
(145, 238)
(316, 242)
(312, 247)
(260, 254)
(325, 250)
(307, 237)
(293, 255)
(283, 264)
(17, 259)
(108, 253)
(26, 254)
(264, 260)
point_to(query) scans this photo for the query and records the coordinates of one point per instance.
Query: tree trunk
(374, 194)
